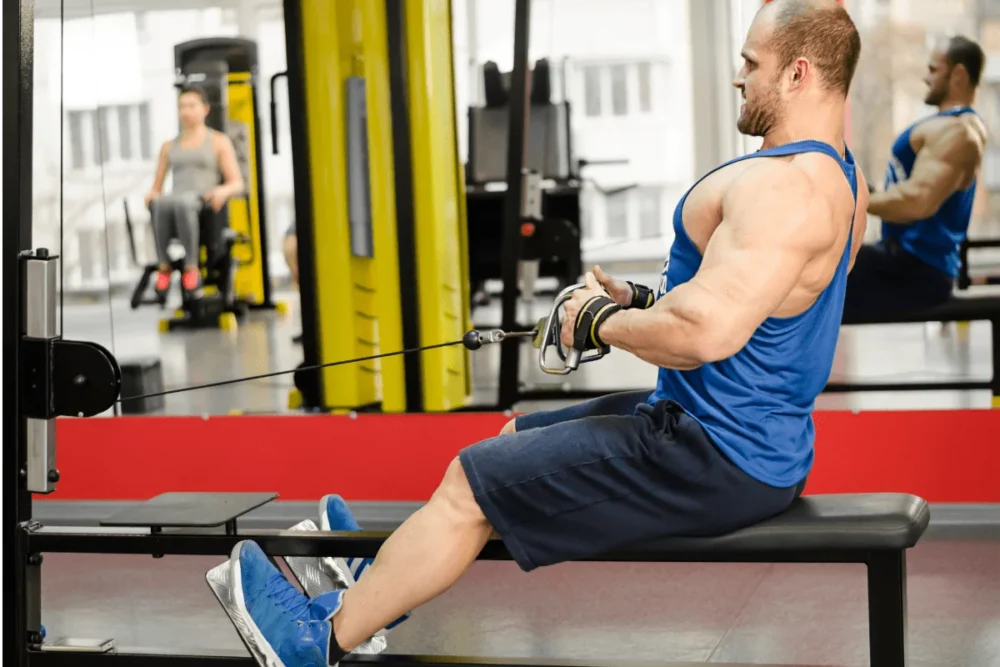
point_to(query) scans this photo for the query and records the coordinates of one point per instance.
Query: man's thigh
(621, 403)
(580, 488)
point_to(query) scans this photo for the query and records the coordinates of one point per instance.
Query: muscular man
(196, 159)
(929, 188)
(743, 328)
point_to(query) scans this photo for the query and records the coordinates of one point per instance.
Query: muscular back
(754, 198)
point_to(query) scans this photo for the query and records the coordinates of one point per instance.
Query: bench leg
(887, 608)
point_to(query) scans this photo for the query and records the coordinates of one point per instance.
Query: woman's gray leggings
(175, 216)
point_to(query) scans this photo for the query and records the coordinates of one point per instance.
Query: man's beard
(934, 97)
(757, 120)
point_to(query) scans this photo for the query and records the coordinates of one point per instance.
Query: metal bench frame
(886, 572)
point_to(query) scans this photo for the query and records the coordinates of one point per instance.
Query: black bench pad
(866, 521)
(956, 309)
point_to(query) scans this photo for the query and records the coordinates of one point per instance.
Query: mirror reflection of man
(198, 159)
(930, 186)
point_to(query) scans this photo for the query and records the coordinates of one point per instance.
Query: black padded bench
(957, 309)
(870, 529)
(964, 281)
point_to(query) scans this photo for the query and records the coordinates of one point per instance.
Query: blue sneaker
(282, 623)
(334, 514)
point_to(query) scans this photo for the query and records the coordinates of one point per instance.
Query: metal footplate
(190, 510)
(548, 337)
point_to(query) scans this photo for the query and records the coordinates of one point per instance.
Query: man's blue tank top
(934, 240)
(757, 405)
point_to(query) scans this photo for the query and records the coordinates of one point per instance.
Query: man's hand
(217, 197)
(151, 196)
(616, 289)
(572, 307)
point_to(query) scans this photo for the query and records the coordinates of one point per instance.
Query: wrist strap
(586, 332)
(642, 296)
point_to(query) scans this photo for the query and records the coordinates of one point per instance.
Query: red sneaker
(191, 280)
(163, 281)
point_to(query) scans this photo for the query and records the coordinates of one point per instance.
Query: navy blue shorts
(578, 482)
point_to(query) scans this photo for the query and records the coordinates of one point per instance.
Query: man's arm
(161, 170)
(232, 179)
(948, 155)
(773, 223)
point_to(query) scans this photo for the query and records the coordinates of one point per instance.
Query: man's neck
(817, 121)
(954, 103)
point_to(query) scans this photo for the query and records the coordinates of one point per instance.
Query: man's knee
(510, 427)
(454, 495)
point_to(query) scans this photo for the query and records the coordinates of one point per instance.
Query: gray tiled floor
(781, 614)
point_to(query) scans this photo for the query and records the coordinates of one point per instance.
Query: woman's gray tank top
(195, 170)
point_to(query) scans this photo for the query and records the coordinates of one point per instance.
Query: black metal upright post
(517, 135)
(18, 56)
(302, 186)
(406, 225)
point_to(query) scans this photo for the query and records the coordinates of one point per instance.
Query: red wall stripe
(943, 456)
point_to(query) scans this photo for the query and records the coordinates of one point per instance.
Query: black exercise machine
(218, 306)
(957, 309)
(551, 238)
(233, 242)
(964, 280)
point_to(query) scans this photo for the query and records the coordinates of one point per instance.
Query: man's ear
(801, 70)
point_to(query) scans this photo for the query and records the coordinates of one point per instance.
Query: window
(650, 214)
(109, 134)
(616, 206)
(104, 130)
(76, 138)
(619, 91)
(592, 90)
(125, 131)
(95, 138)
(645, 83)
(145, 132)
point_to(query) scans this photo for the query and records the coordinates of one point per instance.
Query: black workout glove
(642, 296)
(586, 332)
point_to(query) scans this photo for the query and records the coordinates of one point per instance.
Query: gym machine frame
(53, 377)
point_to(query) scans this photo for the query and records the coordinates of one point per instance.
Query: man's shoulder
(788, 189)
(787, 175)
(797, 180)
(965, 129)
